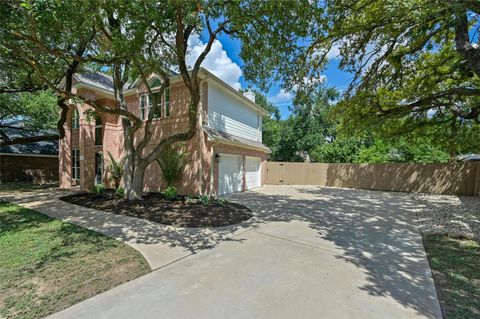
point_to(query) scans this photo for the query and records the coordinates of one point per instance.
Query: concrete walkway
(159, 244)
(308, 253)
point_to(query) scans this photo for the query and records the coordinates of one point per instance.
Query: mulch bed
(181, 212)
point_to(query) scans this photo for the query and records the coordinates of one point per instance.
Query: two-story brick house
(226, 154)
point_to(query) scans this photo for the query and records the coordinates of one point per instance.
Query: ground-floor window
(98, 168)
(76, 164)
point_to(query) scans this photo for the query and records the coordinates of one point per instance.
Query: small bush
(204, 199)
(119, 192)
(172, 161)
(170, 193)
(220, 200)
(99, 188)
(116, 170)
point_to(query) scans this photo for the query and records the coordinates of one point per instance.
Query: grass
(47, 265)
(24, 186)
(455, 265)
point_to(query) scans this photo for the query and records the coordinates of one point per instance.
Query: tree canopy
(415, 64)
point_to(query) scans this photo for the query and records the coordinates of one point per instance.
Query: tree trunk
(134, 171)
(136, 189)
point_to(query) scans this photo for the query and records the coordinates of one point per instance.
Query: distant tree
(37, 110)
(308, 126)
(339, 150)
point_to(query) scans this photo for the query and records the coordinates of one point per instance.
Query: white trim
(36, 155)
(234, 92)
(242, 145)
(174, 79)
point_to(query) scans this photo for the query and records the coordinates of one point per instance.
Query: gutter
(28, 155)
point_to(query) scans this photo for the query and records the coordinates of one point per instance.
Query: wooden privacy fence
(440, 178)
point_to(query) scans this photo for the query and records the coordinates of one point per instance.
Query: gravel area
(455, 216)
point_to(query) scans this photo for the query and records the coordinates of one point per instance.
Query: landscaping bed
(183, 211)
(47, 265)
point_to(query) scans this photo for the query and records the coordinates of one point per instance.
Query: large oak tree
(44, 43)
(415, 65)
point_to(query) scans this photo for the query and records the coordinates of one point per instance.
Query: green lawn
(47, 265)
(455, 265)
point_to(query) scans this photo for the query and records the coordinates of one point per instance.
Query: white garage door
(253, 175)
(229, 174)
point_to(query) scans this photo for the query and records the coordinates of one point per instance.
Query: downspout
(212, 192)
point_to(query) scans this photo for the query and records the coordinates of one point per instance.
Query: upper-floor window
(98, 131)
(75, 119)
(155, 83)
(155, 98)
(142, 106)
(147, 101)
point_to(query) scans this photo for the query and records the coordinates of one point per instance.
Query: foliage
(99, 189)
(415, 65)
(401, 151)
(170, 193)
(308, 127)
(172, 161)
(221, 200)
(37, 110)
(340, 150)
(419, 74)
(115, 168)
(52, 264)
(204, 199)
(119, 191)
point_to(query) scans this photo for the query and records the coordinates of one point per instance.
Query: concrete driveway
(308, 253)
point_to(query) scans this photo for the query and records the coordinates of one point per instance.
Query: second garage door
(253, 172)
(230, 177)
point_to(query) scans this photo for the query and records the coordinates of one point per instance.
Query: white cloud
(217, 61)
(281, 98)
(284, 97)
(334, 53)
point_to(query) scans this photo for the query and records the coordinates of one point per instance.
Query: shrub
(172, 161)
(116, 170)
(119, 192)
(221, 200)
(99, 188)
(170, 193)
(204, 199)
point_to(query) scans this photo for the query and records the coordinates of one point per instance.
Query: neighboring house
(33, 162)
(226, 153)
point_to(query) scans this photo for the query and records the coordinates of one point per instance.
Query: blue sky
(225, 62)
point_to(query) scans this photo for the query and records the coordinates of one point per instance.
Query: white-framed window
(75, 119)
(166, 98)
(143, 103)
(76, 164)
(151, 98)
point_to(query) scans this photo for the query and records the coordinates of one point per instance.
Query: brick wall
(35, 169)
(197, 174)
